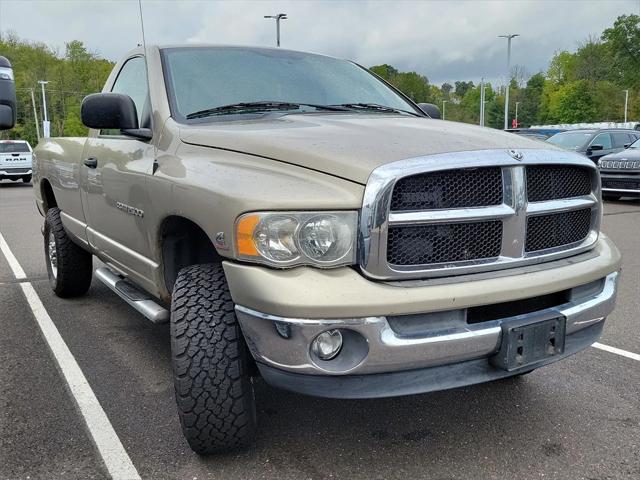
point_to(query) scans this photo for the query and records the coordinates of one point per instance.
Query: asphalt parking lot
(577, 419)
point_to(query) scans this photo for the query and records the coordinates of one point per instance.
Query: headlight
(286, 239)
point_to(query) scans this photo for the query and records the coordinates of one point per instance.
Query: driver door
(115, 171)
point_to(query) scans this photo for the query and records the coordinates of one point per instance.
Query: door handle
(91, 162)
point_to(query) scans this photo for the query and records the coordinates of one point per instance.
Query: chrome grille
(549, 182)
(470, 187)
(540, 207)
(557, 229)
(621, 184)
(454, 242)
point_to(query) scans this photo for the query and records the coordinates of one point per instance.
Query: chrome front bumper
(372, 345)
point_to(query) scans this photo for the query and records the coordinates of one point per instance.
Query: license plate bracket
(529, 341)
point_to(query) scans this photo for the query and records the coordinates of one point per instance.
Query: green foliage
(412, 84)
(71, 77)
(462, 88)
(623, 41)
(582, 86)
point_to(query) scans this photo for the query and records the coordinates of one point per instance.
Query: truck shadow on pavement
(306, 437)
(18, 184)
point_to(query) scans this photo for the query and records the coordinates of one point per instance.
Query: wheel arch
(183, 243)
(48, 196)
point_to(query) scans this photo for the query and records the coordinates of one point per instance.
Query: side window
(620, 139)
(132, 81)
(603, 139)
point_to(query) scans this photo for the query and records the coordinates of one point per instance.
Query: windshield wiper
(264, 106)
(374, 107)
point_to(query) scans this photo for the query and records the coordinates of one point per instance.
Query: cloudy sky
(444, 40)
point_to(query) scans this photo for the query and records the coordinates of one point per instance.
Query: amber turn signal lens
(244, 235)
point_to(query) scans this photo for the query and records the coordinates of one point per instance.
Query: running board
(133, 295)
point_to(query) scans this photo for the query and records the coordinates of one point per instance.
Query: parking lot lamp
(45, 120)
(517, 123)
(626, 104)
(506, 96)
(277, 18)
(444, 102)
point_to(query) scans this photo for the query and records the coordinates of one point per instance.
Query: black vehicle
(595, 143)
(620, 173)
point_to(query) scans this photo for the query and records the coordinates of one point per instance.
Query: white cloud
(444, 40)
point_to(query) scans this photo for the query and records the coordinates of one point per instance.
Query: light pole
(484, 111)
(444, 102)
(626, 104)
(277, 18)
(506, 96)
(517, 123)
(35, 114)
(482, 102)
(45, 122)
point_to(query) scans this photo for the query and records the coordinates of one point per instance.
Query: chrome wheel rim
(53, 255)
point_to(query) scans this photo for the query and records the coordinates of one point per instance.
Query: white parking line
(107, 442)
(617, 351)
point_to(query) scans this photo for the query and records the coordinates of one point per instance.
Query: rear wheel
(69, 267)
(211, 364)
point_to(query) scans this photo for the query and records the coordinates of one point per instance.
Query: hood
(627, 154)
(346, 145)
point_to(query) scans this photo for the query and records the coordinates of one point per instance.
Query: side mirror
(596, 147)
(627, 145)
(109, 111)
(431, 110)
(7, 95)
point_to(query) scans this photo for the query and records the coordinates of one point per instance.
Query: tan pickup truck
(296, 218)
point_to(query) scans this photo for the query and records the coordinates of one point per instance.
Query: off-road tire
(26, 178)
(74, 264)
(211, 364)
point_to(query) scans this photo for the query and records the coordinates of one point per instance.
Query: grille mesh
(550, 182)
(621, 184)
(557, 229)
(424, 244)
(470, 187)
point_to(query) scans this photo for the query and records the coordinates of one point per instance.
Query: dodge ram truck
(296, 218)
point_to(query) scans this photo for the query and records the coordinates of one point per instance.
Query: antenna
(146, 67)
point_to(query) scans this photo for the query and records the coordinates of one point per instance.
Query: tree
(71, 76)
(462, 87)
(573, 102)
(385, 71)
(531, 99)
(623, 41)
(446, 88)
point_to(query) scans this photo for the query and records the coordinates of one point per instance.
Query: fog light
(327, 345)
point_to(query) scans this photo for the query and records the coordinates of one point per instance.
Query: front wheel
(69, 267)
(211, 363)
(26, 178)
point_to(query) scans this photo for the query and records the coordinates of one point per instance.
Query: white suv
(16, 160)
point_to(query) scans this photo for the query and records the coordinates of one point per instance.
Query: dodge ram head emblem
(516, 154)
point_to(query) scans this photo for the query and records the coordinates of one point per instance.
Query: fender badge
(220, 241)
(516, 154)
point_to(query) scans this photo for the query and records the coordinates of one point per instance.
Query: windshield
(635, 144)
(205, 78)
(14, 147)
(570, 140)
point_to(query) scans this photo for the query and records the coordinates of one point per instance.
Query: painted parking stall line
(111, 450)
(617, 351)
